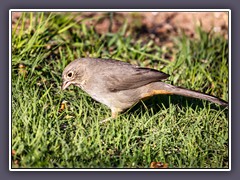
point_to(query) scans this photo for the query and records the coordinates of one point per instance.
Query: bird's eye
(70, 74)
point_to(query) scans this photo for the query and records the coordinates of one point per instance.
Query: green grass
(179, 131)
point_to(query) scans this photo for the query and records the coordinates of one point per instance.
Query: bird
(120, 85)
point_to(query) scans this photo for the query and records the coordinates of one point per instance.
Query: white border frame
(115, 10)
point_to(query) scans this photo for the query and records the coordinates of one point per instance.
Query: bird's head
(73, 74)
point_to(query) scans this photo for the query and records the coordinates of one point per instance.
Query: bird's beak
(65, 84)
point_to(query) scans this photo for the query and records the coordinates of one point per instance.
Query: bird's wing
(132, 77)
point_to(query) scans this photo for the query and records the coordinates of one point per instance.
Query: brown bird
(120, 85)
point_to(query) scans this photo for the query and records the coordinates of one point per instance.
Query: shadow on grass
(159, 102)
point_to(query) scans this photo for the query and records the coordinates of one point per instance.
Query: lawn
(61, 129)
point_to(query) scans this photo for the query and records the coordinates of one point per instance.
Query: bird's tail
(163, 88)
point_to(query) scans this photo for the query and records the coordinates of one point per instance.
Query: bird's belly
(120, 99)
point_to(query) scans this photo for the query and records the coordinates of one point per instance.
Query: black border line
(219, 4)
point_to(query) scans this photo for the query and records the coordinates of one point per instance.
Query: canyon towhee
(120, 85)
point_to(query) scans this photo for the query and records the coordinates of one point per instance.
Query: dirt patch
(161, 24)
(216, 21)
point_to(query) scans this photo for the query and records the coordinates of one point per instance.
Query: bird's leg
(114, 115)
